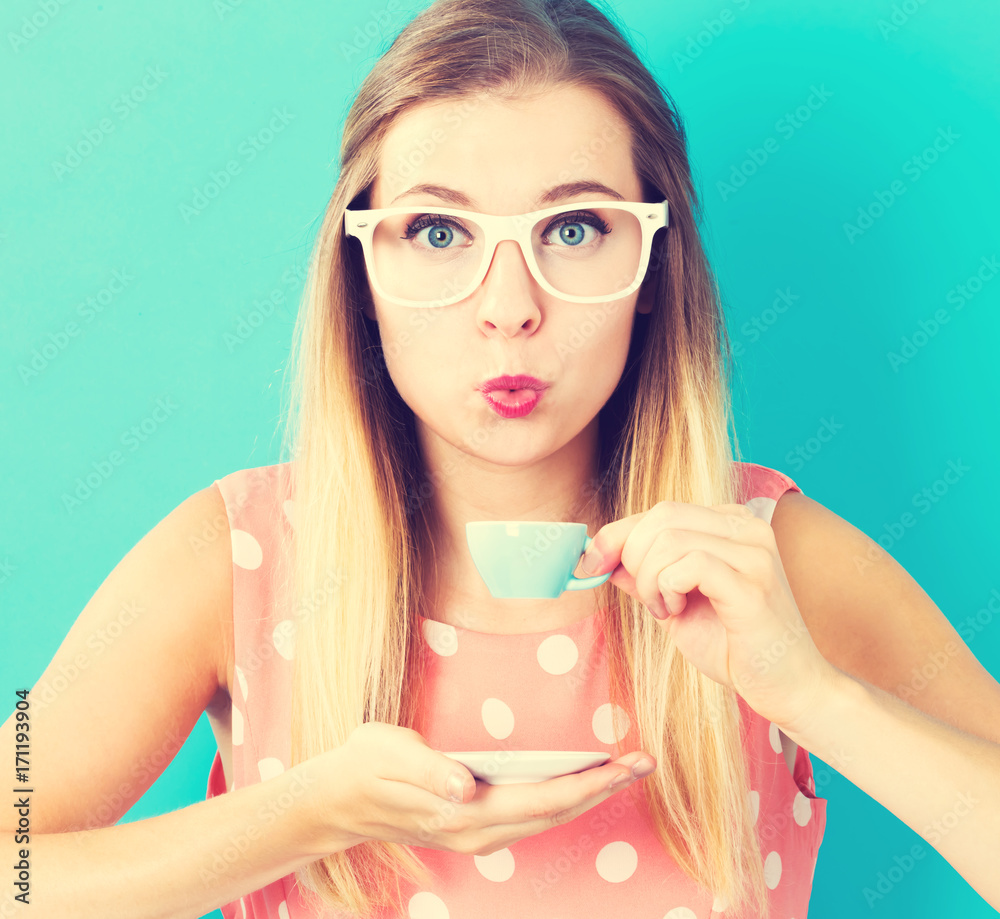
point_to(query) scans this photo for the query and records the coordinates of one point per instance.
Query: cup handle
(586, 583)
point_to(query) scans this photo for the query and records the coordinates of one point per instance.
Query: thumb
(454, 782)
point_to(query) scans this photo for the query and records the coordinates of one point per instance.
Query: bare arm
(940, 781)
(148, 654)
(926, 747)
(181, 864)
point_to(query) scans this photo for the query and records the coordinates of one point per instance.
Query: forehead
(503, 154)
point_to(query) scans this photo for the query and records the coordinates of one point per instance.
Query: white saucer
(510, 767)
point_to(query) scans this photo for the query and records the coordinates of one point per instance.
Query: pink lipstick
(512, 396)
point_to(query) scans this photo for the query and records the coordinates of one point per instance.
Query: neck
(563, 486)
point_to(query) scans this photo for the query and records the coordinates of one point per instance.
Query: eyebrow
(551, 196)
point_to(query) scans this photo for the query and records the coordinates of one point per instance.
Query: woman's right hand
(386, 783)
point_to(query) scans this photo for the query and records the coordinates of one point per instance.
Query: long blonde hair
(362, 492)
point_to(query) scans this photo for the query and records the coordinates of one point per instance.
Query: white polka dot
(241, 676)
(269, 768)
(557, 654)
(681, 912)
(774, 737)
(772, 870)
(610, 723)
(801, 809)
(498, 719)
(289, 509)
(237, 727)
(246, 550)
(441, 637)
(617, 862)
(283, 910)
(425, 905)
(283, 637)
(720, 904)
(754, 797)
(496, 867)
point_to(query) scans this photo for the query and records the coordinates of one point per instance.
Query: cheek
(417, 350)
(599, 334)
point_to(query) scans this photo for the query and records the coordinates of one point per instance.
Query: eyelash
(434, 220)
(579, 217)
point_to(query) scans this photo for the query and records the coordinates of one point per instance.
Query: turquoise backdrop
(846, 155)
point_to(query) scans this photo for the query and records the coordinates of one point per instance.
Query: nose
(508, 296)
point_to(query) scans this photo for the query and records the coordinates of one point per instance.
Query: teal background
(821, 360)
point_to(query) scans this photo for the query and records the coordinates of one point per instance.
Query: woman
(356, 643)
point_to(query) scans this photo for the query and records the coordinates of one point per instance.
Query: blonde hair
(361, 489)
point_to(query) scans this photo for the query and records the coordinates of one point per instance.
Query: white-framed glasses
(584, 252)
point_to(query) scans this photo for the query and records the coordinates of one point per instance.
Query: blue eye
(441, 231)
(571, 233)
(573, 229)
(440, 236)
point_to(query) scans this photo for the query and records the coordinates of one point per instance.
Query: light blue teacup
(530, 558)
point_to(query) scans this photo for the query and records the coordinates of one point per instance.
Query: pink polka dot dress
(537, 691)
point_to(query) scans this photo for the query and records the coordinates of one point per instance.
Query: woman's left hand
(713, 576)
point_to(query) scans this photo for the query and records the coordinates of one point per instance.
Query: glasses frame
(498, 228)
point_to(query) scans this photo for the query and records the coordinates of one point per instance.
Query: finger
(725, 520)
(523, 810)
(724, 586)
(410, 759)
(500, 815)
(656, 581)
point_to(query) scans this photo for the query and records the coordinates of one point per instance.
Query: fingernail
(591, 561)
(455, 787)
(642, 768)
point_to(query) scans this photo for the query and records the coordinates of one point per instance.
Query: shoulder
(256, 487)
(152, 642)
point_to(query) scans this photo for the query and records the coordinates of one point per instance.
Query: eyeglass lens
(426, 257)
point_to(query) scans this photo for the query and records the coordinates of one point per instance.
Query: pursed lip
(519, 381)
